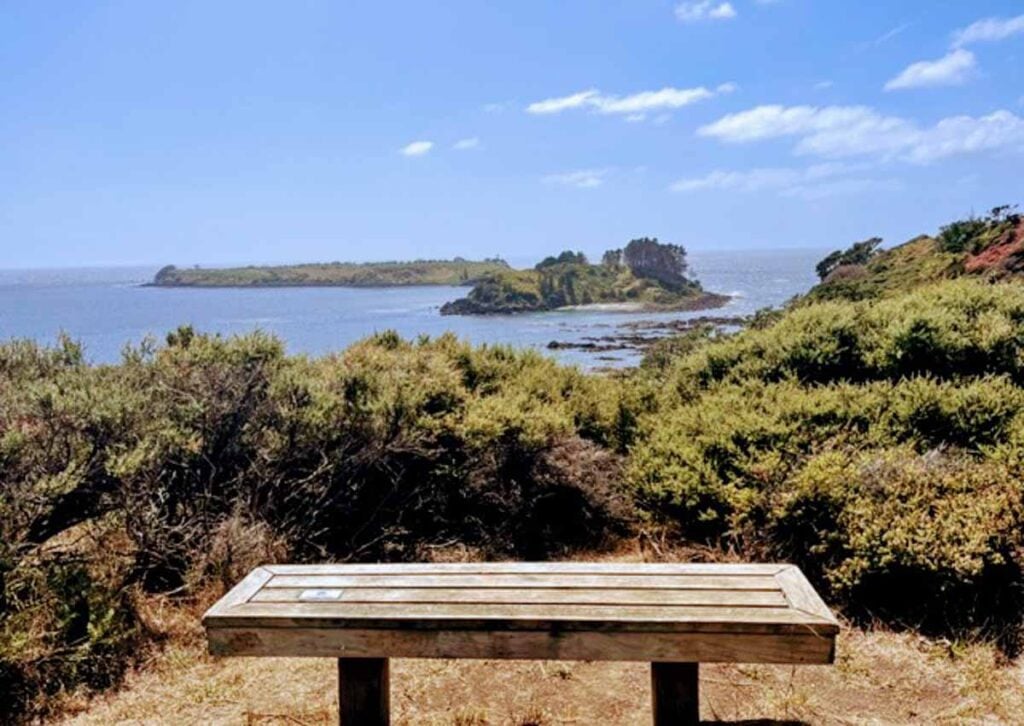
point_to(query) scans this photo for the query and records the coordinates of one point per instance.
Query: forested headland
(646, 274)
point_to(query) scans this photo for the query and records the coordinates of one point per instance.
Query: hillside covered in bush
(989, 247)
(646, 274)
(878, 444)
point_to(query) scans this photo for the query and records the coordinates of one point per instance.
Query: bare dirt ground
(879, 677)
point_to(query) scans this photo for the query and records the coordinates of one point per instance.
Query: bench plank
(539, 596)
(728, 647)
(528, 568)
(546, 580)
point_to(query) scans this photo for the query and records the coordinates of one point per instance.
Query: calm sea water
(105, 308)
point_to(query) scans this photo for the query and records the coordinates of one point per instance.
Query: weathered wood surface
(713, 647)
(656, 612)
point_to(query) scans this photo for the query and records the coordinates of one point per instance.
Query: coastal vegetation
(343, 274)
(874, 436)
(646, 274)
(989, 247)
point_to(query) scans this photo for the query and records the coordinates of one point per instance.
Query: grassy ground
(879, 677)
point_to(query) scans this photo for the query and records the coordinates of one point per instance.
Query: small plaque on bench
(320, 595)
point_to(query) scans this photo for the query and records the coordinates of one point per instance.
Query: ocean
(107, 308)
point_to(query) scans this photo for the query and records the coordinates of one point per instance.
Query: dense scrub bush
(203, 456)
(877, 445)
(954, 329)
(898, 498)
(894, 531)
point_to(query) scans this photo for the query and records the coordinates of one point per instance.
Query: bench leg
(675, 694)
(364, 694)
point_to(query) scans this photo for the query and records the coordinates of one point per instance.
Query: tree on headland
(566, 258)
(165, 273)
(612, 259)
(967, 235)
(859, 253)
(646, 257)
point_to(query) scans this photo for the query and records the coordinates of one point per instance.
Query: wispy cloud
(812, 182)
(417, 148)
(848, 131)
(581, 179)
(564, 103)
(637, 103)
(988, 30)
(701, 10)
(952, 69)
(884, 37)
(843, 187)
(756, 180)
(823, 85)
(472, 142)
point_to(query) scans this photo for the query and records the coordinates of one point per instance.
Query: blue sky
(225, 132)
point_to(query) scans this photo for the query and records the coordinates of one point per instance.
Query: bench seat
(662, 613)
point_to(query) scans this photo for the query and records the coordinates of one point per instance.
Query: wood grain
(536, 596)
(473, 616)
(527, 568)
(545, 580)
(711, 647)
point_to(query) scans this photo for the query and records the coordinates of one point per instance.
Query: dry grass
(879, 678)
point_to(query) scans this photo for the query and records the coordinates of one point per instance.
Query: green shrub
(931, 540)
(947, 330)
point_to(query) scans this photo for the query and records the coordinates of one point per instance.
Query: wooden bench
(672, 615)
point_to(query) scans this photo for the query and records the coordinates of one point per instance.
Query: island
(646, 275)
(456, 271)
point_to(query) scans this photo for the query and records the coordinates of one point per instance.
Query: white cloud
(812, 182)
(966, 134)
(417, 148)
(988, 30)
(847, 131)
(557, 105)
(465, 144)
(952, 69)
(632, 105)
(842, 187)
(651, 100)
(765, 122)
(693, 12)
(753, 180)
(581, 179)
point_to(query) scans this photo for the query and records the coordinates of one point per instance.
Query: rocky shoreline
(640, 335)
(468, 306)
